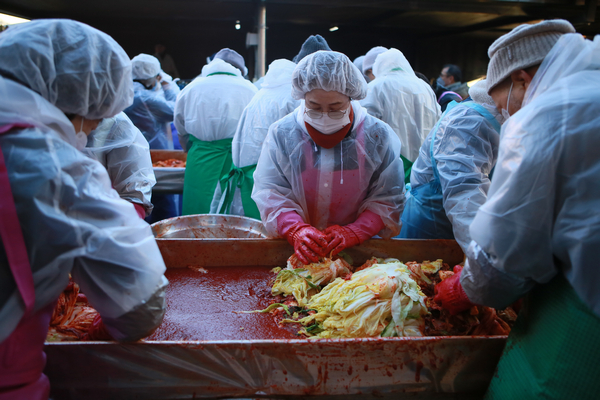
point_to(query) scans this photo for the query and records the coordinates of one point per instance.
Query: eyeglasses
(314, 114)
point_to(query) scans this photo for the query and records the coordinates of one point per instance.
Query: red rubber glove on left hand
(139, 209)
(341, 238)
(97, 330)
(450, 294)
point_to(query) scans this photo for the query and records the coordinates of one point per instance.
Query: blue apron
(424, 216)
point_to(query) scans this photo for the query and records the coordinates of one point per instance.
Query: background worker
(206, 116)
(59, 214)
(538, 233)
(402, 100)
(329, 175)
(122, 149)
(451, 176)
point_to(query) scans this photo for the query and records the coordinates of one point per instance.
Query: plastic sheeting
(210, 107)
(363, 172)
(122, 149)
(541, 215)
(402, 100)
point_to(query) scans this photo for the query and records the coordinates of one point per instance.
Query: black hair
(422, 77)
(454, 70)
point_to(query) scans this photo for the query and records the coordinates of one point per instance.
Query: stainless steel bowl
(207, 226)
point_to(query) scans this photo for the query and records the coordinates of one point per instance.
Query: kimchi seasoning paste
(202, 305)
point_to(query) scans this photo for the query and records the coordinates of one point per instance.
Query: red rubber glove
(341, 238)
(97, 330)
(309, 242)
(139, 210)
(450, 294)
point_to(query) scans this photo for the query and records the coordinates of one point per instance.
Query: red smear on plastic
(200, 306)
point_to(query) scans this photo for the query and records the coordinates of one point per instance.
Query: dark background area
(430, 33)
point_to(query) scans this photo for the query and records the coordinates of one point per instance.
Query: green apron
(242, 178)
(553, 349)
(206, 163)
(407, 168)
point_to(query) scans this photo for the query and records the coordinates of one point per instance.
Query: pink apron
(343, 197)
(22, 357)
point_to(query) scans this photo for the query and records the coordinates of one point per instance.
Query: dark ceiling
(429, 32)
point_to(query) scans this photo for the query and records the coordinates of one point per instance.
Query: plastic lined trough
(264, 360)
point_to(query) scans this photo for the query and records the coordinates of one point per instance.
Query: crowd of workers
(327, 153)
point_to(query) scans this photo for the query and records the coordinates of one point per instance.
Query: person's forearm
(486, 285)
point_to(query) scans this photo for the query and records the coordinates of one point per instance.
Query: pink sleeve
(367, 225)
(286, 220)
(140, 210)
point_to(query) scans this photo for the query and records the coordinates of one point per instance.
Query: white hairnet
(478, 93)
(145, 66)
(330, 71)
(75, 67)
(371, 56)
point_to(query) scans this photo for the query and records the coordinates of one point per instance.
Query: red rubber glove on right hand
(341, 238)
(309, 242)
(450, 294)
(97, 330)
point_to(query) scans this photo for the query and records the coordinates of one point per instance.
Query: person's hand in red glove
(309, 242)
(450, 294)
(340, 238)
(97, 331)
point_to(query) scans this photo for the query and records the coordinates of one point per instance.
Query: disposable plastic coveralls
(402, 100)
(272, 102)
(122, 149)
(465, 149)
(206, 116)
(330, 186)
(540, 227)
(70, 219)
(151, 111)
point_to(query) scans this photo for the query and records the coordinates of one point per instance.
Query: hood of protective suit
(279, 73)
(75, 67)
(391, 61)
(479, 94)
(571, 54)
(219, 66)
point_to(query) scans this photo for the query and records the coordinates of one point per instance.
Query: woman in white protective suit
(538, 233)
(402, 100)
(272, 102)
(451, 177)
(59, 213)
(329, 175)
(122, 149)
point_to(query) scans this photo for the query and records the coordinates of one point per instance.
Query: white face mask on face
(80, 138)
(505, 113)
(327, 125)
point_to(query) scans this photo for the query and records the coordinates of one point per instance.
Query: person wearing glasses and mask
(329, 175)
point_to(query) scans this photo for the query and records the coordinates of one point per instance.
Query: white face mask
(327, 125)
(80, 138)
(505, 113)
